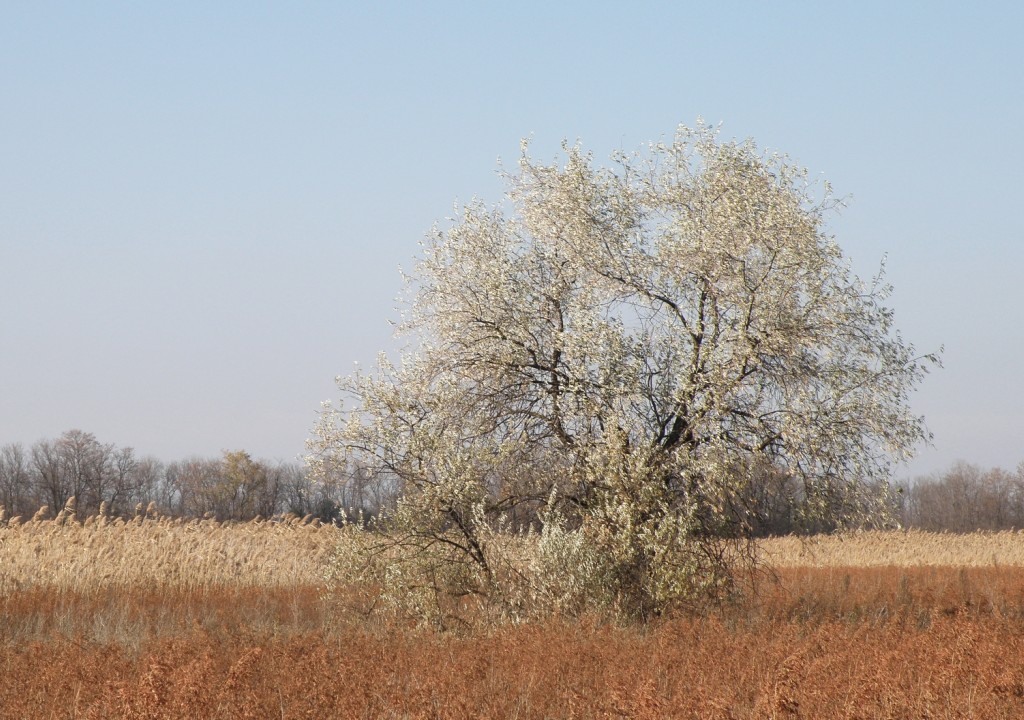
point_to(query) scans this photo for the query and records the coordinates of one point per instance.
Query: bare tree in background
(16, 491)
(53, 488)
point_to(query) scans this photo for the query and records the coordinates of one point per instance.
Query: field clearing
(162, 619)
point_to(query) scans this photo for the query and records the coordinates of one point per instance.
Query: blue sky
(204, 206)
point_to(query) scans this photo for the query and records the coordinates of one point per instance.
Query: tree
(86, 467)
(194, 486)
(15, 479)
(642, 344)
(965, 498)
(47, 467)
(246, 487)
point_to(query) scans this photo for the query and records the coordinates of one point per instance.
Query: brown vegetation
(152, 551)
(812, 641)
(914, 548)
(905, 645)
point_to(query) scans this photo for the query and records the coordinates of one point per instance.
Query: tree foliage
(647, 345)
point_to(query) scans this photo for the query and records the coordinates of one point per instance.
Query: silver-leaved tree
(622, 358)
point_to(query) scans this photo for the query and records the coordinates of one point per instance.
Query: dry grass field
(161, 619)
(897, 549)
(152, 551)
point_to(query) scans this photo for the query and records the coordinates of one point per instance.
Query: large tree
(647, 343)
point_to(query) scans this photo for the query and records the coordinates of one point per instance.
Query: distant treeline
(962, 499)
(234, 486)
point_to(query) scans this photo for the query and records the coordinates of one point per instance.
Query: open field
(166, 620)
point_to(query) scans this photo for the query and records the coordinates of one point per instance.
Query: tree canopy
(639, 348)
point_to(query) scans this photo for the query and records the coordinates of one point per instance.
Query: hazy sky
(204, 206)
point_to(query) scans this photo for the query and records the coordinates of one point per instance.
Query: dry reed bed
(146, 551)
(913, 548)
(132, 618)
(103, 553)
(159, 619)
(694, 668)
